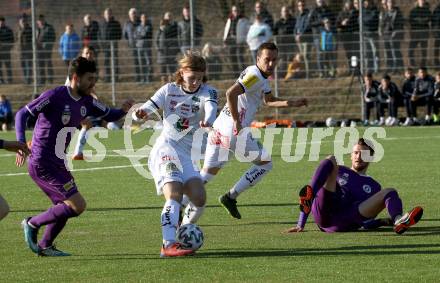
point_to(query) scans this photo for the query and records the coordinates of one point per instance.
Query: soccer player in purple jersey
(344, 199)
(19, 148)
(58, 110)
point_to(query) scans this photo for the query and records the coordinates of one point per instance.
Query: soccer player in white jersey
(188, 104)
(243, 100)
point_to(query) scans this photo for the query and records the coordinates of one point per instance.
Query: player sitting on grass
(184, 104)
(345, 199)
(56, 109)
(19, 148)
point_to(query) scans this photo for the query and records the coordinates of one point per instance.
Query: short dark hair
(423, 68)
(366, 143)
(409, 69)
(91, 48)
(386, 77)
(80, 66)
(268, 46)
(369, 75)
(2, 18)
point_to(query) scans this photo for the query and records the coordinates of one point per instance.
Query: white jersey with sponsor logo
(182, 111)
(255, 87)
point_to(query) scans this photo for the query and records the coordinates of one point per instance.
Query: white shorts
(169, 163)
(220, 147)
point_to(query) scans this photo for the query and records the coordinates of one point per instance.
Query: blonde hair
(192, 61)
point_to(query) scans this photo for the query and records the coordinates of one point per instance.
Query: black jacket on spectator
(111, 30)
(424, 86)
(284, 29)
(90, 34)
(144, 35)
(436, 21)
(129, 32)
(408, 86)
(352, 25)
(391, 92)
(419, 18)
(370, 19)
(6, 38)
(46, 37)
(391, 21)
(25, 38)
(317, 15)
(373, 92)
(302, 26)
(167, 45)
(184, 32)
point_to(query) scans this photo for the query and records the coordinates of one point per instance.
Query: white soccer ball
(330, 122)
(190, 236)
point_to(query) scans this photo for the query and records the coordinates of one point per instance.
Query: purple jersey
(57, 109)
(352, 187)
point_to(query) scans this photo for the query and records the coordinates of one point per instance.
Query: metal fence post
(34, 47)
(191, 16)
(276, 87)
(361, 57)
(112, 54)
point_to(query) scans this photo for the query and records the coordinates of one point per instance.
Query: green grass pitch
(118, 238)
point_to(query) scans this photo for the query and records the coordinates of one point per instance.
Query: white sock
(185, 200)
(192, 213)
(82, 139)
(206, 177)
(249, 179)
(169, 221)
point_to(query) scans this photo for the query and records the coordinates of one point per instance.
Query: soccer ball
(190, 236)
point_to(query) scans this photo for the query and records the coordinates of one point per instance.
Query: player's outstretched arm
(20, 126)
(273, 101)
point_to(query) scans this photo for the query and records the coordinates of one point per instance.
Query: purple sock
(56, 213)
(393, 204)
(51, 232)
(324, 170)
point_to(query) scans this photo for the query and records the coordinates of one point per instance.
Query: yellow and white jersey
(255, 87)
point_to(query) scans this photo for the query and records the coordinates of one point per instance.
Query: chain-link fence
(137, 49)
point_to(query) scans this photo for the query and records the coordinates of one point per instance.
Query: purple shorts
(54, 179)
(331, 215)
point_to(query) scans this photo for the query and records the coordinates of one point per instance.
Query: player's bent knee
(390, 193)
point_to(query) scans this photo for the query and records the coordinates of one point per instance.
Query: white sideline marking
(78, 170)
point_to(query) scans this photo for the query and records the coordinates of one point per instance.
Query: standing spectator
(6, 44)
(283, 30)
(407, 92)
(129, 33)
(419, 19)
(258, 33)
(261, 10)
(391, 30)
(172, 35)
(167, 46)
(144, 36)
(348, 28)
(371, 96)
(436, 102)
(90, 34)
(435, 24)
(45, 41)
(328, 48)
(70, 44)
(370, 22)
(389, 97)
(303, 36)
(320, 12)
(184, 31)
(5, 113)
(25, 41)
(423, 94)
(111, 33)
(234, 39)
